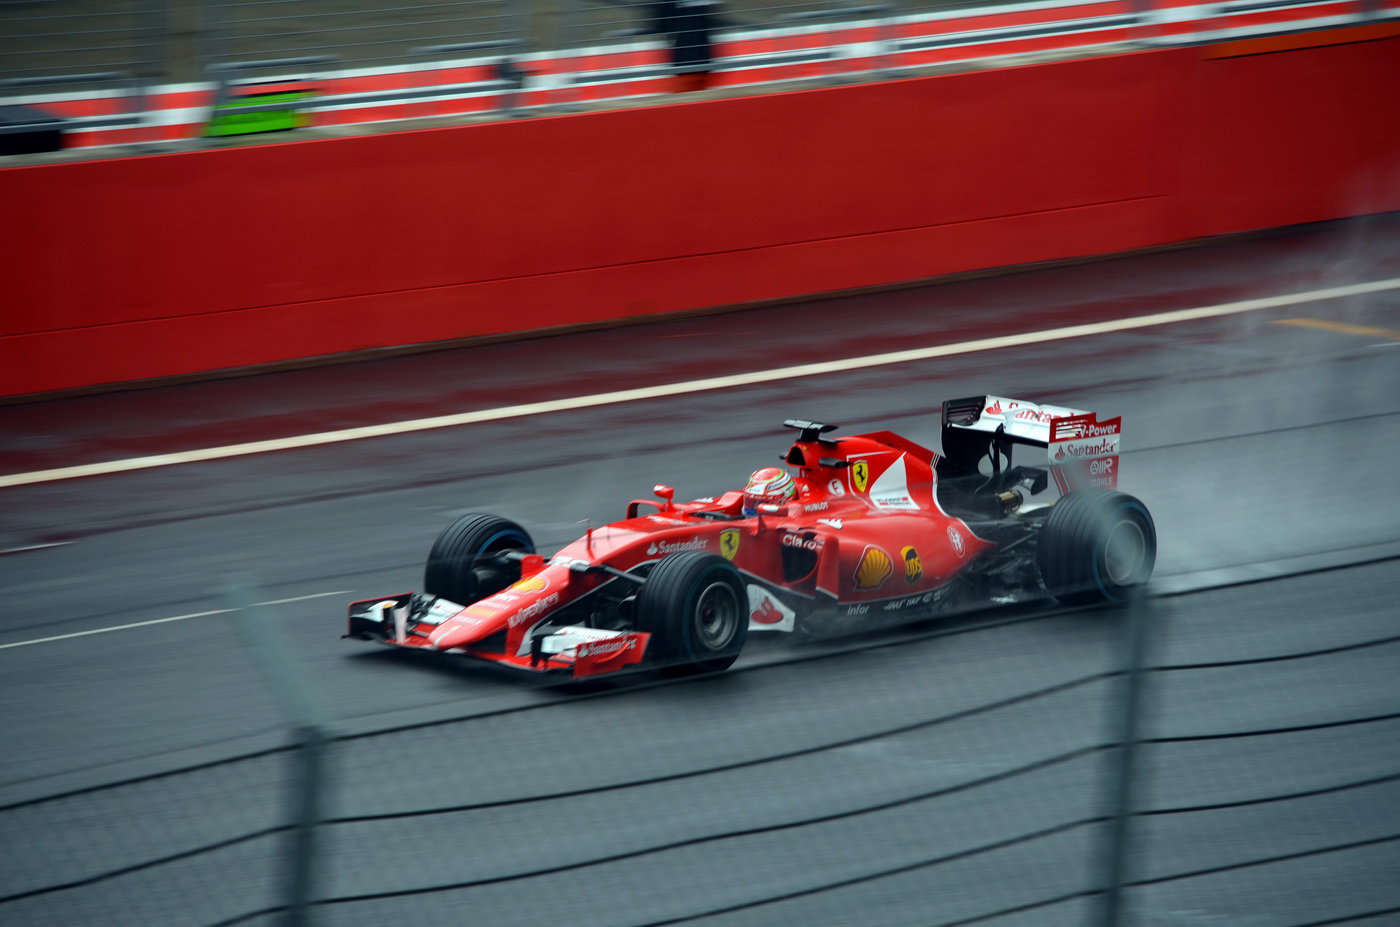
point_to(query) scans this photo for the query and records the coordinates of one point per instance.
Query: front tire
(1096, 546)
(697, 610)
(462, 567)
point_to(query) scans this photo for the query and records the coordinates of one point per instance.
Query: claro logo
(533, 609)
(796, 540)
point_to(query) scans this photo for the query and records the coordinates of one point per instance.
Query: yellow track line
(1343, 328)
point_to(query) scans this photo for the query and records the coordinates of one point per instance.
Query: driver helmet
(769, 486)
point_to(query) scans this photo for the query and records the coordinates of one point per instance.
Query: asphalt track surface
(1265, 444)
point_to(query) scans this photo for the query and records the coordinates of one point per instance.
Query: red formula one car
(875, 528)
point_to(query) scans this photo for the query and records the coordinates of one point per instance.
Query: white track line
(146, 624)
(697, 386)
(29, 547)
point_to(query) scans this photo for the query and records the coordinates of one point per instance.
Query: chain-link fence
(180, 39)
(1065, 800)
(101, 65)
(146, 851)
(164, 70)
(63, 41)
(291, 63)
(695, 44)
(109, 51)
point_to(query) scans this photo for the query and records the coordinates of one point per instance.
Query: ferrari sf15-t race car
(877, 529)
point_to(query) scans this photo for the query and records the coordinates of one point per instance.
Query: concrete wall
(143, 267)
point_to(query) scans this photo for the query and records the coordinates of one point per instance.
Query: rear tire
(1096, 546)
(461, 567)
(697, 611)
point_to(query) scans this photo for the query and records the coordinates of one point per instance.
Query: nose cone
(469, 626)
(513, 609)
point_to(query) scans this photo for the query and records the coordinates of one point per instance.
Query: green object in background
(227, 120)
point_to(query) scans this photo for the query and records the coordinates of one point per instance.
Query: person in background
(688, 26)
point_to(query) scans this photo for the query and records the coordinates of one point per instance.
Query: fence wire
(138, 851)
(175, 39)
(352, 34)
(50, 40)
(141, 852)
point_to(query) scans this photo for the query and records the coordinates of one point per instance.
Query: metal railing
(119, 85)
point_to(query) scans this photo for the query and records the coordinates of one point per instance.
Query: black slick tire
(696, 609)
(461, 567)
(1096, 546)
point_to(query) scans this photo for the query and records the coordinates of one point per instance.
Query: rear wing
(1081, 450)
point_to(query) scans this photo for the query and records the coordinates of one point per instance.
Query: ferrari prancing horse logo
(860, 474)
(729, 542)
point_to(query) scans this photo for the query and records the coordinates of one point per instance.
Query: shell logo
(874, 568)
(860, 474)
(533, 584)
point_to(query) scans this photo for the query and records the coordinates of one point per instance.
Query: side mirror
(667, 493)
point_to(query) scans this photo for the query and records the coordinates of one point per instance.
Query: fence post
(1122, 784)
(267, 647)
(306, 819)
(213, 47)
(567, 31)
(155, 37)
(887, 40)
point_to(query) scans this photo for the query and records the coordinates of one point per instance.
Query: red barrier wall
(179, 263)
(1291, 136)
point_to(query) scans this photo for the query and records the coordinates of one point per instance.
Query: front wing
(406, 621)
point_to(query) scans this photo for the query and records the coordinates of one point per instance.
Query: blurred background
(245, 386)
(166, 72)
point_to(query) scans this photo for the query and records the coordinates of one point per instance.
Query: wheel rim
(1124, 552)
(716, 616)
